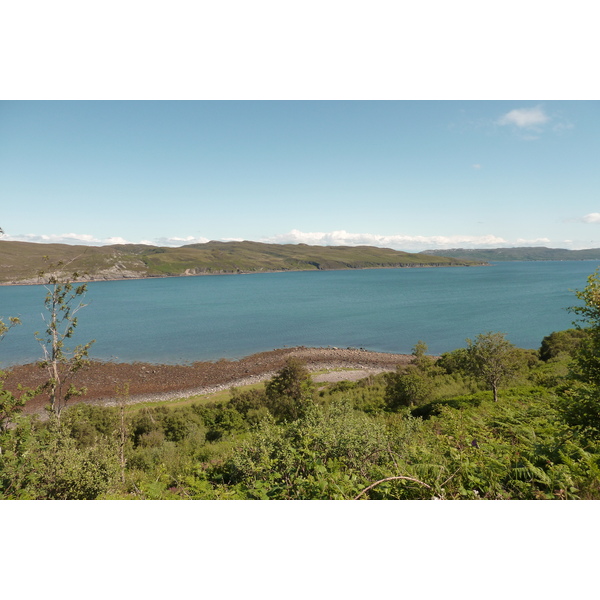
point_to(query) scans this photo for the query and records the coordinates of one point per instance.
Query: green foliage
(493, 359)
(4, 328)
(463, 447)
(514, 448)
(420, 359)
(412, 385)
(367, 395)
(408, 387)
(47, 463)
(11, 404)
(247, 400)
(320, 455)
(290, 391)
(581, 408)
(551, 373)
(561, 342)
(456, 361)
(581, 399)
(587, 354)
(87, 423)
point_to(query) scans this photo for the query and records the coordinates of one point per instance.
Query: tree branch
(391, 479)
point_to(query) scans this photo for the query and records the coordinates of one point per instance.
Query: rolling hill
(20, 262)
(526, 253)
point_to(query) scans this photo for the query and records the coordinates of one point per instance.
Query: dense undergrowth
(292, 440)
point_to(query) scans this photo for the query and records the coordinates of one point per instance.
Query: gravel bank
(151, 382)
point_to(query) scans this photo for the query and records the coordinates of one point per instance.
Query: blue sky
(409, 175)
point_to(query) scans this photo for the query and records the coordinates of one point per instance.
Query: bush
(290, 391)
(456, 361)
(410, 387)
(559, 342)
(247, 400)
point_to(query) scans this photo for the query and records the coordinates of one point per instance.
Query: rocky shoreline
(151, 382)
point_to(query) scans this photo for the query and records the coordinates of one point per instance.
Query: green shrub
(409, 387)
(561, 342)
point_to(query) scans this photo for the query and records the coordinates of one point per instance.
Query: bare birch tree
(63, 301)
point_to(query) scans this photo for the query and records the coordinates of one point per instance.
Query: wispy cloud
(476, 166)
(591, 218)
(525, 118)
(530, 123)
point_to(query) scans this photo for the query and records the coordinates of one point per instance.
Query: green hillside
(505, 254)
(20, 262)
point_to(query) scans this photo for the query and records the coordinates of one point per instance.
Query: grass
(215, 397)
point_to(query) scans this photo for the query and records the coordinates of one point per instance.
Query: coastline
(151, 382)
(87, 279)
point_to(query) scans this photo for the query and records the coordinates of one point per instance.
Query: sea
(180, 320)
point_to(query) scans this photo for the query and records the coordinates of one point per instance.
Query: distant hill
(20, 262)
(503, 254)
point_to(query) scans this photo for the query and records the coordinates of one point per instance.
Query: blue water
(184, 319)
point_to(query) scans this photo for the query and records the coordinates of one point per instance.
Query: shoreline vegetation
(328, 424)
(20, 262)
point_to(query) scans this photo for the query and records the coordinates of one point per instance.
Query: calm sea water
(184, 319)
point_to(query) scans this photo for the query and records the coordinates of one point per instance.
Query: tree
(493, 359)
(581, 400)
(412, 385)
(63, 301)
(420, 359)
(587, 354)
(289, 391)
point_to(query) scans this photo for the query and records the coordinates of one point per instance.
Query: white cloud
(90, 240)
(591, 218)
(408, 243)
(178, 241)
(525, 118)
(397, 242)
(83, 239)
(534, 242)
(116, 240)
(477, 166)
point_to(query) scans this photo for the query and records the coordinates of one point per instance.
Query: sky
(409, 175)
